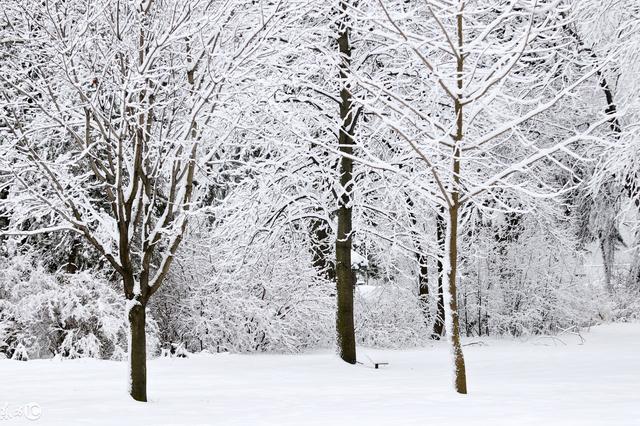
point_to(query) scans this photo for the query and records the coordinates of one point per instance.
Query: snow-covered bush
(389, 316)
(516, 285)
(15, 332)
(61, 314)
(246, 298)
(11, 334)
(624, 296)
(80, 316)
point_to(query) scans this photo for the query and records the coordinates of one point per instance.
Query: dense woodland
(180, 176)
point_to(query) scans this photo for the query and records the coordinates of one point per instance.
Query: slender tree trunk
(438, 326)
(479, 302)
(452, 322)
(138, 353)
(321, 249)
(608, 252)
(423, 267)
(320, 232)
(344, 274)
(423, 283)
(4, 217)
(465, 299)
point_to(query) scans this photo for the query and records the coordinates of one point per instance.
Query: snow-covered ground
(534, 382)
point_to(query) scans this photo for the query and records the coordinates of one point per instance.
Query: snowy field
(533, 382)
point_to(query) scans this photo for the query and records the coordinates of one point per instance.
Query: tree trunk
(423, 283)
(479, 304)
(438, 326)
(608, 251)
(344, 319)
(453, 323)
(344, 282)
(4, 217)
(421, 258)
(321, 249)
(138, 353)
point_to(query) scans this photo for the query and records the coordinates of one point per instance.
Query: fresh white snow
(537, 381)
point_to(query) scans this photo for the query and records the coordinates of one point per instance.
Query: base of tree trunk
(344, 317)
(345, 328)
(460, 369)
(138, 353)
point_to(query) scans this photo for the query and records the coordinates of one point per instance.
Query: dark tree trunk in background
(421, 258)
(138, 353)
(4, 218)
(344, 276)
(71, 267)
(423, 283)
(611, 109)
(321, 249)
(320, 229)
(438, 325)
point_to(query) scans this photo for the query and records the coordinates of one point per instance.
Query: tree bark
(423, 283)
(344, 320)
(138, 353)
(4, 217)
(438, 325)
(453, 329)
(321, 249)
(453, 323)
(344, 276)
(421, 258)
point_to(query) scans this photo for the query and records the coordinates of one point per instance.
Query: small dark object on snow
(376, 364)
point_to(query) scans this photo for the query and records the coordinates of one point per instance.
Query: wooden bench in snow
(376, 365)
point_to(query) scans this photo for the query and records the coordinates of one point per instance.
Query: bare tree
(109, 109)
(469, 122)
